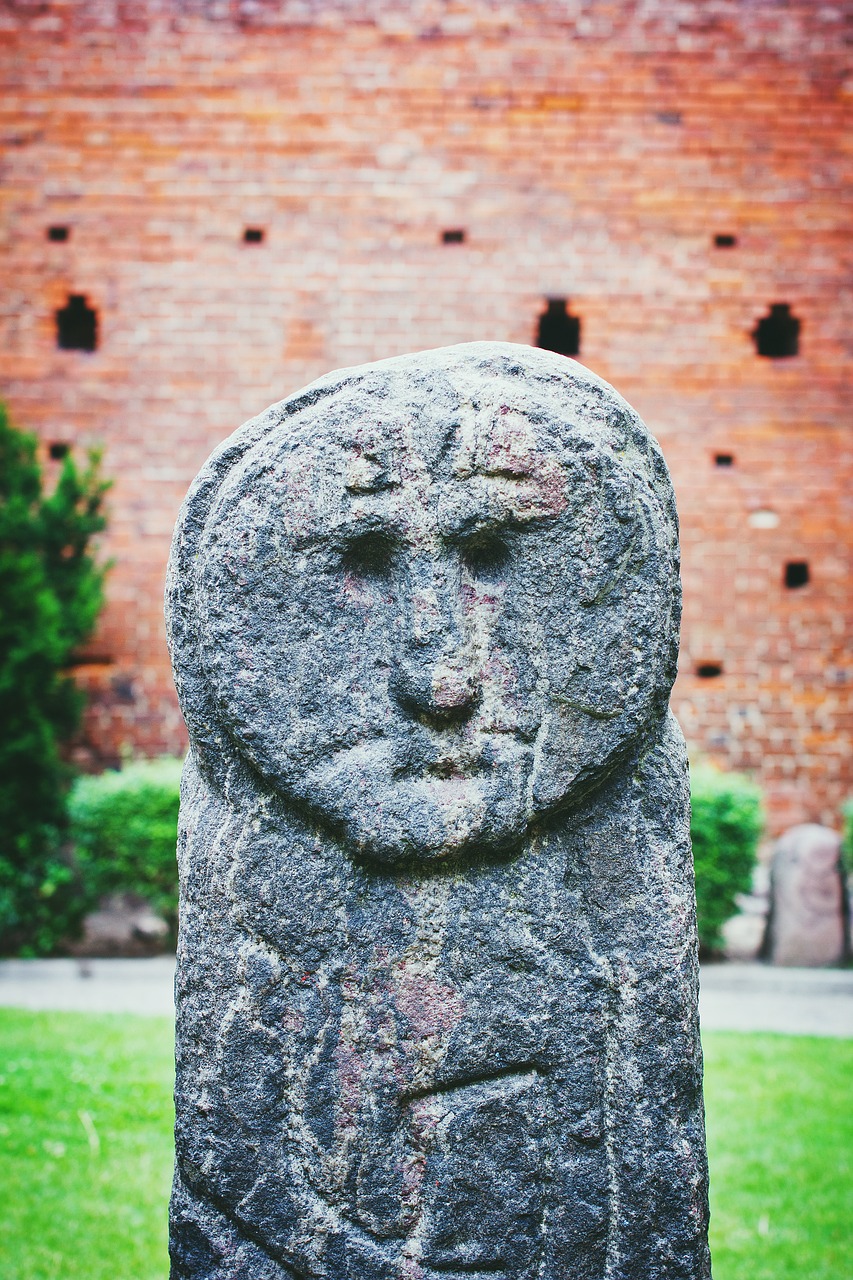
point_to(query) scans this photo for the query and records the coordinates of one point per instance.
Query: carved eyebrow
(378, 523)
(337, 535)
(475, 526)
(505, 521)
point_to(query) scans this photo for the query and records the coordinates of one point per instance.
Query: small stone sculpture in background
(807, 925)
(437, 976)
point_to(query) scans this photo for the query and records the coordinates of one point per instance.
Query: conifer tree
(51, 589)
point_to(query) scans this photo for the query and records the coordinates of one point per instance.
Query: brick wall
(588, 150)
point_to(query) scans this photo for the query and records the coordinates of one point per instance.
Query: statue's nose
(435, 675)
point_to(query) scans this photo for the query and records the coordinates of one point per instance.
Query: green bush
(50, 596)
(847, 838)
(725, 826)
(124, 827)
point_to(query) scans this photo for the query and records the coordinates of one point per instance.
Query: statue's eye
(370, 555)
(486, 554)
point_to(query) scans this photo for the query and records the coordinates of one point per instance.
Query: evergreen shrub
(50, 596)
(725, 826)
(124, 827)
(847, 838)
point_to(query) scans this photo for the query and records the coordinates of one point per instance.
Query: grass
(85, 1137)
(780, 1147)
(85, 1146)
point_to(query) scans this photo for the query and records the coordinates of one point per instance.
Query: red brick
(157, 131)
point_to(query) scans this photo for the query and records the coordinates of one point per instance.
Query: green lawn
(780, 1147)
(85, 1136)
(85, 1146)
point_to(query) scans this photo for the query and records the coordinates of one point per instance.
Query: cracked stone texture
(437, 979)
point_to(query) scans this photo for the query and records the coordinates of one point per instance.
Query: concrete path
(90, 986)
(756, 997)
(734, 997)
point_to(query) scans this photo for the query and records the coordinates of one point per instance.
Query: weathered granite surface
(437, 969)
(806, 925)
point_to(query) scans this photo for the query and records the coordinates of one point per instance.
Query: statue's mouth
(458, 756)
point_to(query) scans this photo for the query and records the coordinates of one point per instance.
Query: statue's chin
(429, 820)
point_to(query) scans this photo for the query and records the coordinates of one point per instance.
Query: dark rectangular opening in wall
(709, 670)
(123, 689)
(77, 325)
(777, 335)
(58, 234)
(725, 241)
(58, 450)
(558, 330)
(253, 235)
(724, 460)
(454, 236)
(796, 573)
(90, 659)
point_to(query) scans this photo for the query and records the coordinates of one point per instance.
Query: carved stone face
(413, 611)
(430, 611)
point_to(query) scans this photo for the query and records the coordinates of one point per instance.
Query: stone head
(429, 601)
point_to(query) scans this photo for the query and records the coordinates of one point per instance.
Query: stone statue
(807, 924)
(437, 970)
